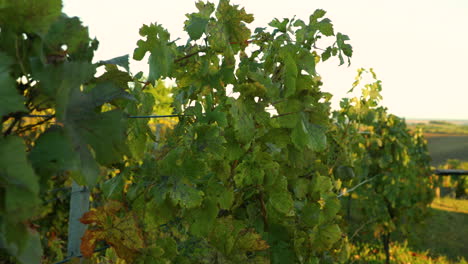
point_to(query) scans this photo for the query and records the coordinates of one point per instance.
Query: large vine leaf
(19, 195)
(29, 16)
(96, 137)
(10, 100)
(16, 171)
(53, 152)
(66, 31)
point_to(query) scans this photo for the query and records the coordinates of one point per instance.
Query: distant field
(444, 147)
(440, 127)
(446, 139)
(427, 121)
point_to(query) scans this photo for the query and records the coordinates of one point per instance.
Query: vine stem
(189, 55)
(25, 128)
(285, 114)
(264, 211)
(10, 128)
(360, 228)
(18, 57)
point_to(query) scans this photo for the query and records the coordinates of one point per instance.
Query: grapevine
(249, 165)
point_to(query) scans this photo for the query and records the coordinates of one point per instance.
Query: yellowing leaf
(251, 241)
(122, 233)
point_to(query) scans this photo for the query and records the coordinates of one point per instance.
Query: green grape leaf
(91, 133)
(281, 26)
(280, 198)
(66, 31)
(114, 187)
(20, 194)
(117, 77)
(162, 52)
(343, 47)
(204, 218)
(197, 22)
(290, 75)
(58, 82)
(230, 29)
(318, 13)
(300, 136)
(104, 132)
(22, 182)
(326, 54)
(10, 100)
(223, 234)
(218, 117)
(325, 27)
(307, 62)
(226, 199)
(344, 173)
(29, 16)
(120, 61)
(309, 135)
(53, 152)
(281, 251)
(195, 26)
(301, 188)
(186, 195)
(318, 139)
(248, 173)
(321, 184)
(332, 206)
(5, 62)
(243, 121)
(311, 214)
(30, 250)
(224, 196)
(325, 236)
(89, 168)
(249, 240)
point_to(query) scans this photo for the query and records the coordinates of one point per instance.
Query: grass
(445, 231)
(442, 238)
(401, 253)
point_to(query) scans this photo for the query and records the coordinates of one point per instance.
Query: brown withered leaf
(120, 232)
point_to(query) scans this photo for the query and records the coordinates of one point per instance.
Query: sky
(418, 48)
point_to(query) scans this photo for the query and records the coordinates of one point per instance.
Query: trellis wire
(80, 256)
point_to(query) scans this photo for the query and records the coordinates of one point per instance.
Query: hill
(446, 139)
